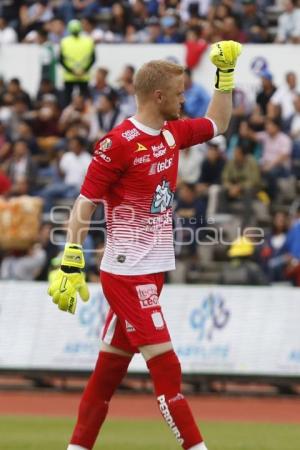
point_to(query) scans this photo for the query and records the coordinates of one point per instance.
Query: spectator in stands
(5, 146)
(34, 15)
(46, 87)
(295, 135)
(2, 87)
(56, 30)
(7, 34)
(24, 131)
(49, 247)
(71, 9)
(17, 113)
(189, 167)
(295, 121)
(288, 29)
(47, 56)
(265, 93)
(151, 32)
(170, 33)
(210, 32)
(10, 10)
(189, 217)
(195, 47)
(45, 123)
(276, 156)
(219, 10)
(208, 186)
(79, 109)
(4, 143)
(108, 115)
(190, 8)
(77, 55)
(100, 86)
(293, 250)
(91, 28)
(26, 266)
(139, 14)
(196, 97)
(5, 183)
(242, 268)
(73, 166)
(282, 101)
(15, 89)
(6, 105)
(126, 91)
(240, 181)
(240, 110)
(120, 19)
(21, 169)
(231, 30)
(254, 23)
(245, 141)
(273, 252)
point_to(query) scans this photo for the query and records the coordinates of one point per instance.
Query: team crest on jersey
(105, 145)
(163, 198)
(169, 138)
(130, 134)
(141, 148)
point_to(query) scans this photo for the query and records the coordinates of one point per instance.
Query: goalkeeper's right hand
(69, 280)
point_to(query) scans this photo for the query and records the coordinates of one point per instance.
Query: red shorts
(135, 317)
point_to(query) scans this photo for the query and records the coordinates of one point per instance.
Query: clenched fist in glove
(224, 55)
(69, 280)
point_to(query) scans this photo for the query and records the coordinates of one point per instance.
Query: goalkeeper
(134, 169)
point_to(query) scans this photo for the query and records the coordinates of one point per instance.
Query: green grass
(38, 433)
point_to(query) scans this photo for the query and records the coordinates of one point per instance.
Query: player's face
(172, 98)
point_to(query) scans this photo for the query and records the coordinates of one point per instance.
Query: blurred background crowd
(154, 21)
(231, 191)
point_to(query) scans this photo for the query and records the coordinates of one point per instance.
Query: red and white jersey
(134, 170)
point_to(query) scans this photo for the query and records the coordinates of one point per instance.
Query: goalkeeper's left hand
(224, 55)
(69, 280)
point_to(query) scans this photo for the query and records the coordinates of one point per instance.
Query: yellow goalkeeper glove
(69, 280)
(224, 55)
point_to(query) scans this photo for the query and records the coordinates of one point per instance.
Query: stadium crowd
(195, 22)
(248, 178)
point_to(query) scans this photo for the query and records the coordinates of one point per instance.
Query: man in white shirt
(282, 101)
(7, 34)
(72, 166)
(289, 23)
(295, 123)
(190, 164)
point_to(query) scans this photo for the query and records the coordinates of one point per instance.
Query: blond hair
(155, 75)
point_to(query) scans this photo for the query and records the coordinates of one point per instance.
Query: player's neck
(149, 119)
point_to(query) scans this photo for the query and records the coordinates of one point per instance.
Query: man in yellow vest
(77, 55)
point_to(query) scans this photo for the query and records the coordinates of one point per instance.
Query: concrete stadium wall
(23, 61)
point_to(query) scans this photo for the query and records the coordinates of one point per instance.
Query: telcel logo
(164, 165)
(158, 167)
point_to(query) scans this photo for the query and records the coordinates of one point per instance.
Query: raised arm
(220, 110)
(224, 56)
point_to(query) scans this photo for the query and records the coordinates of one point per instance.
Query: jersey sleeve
(193, 131)
(107, 166)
